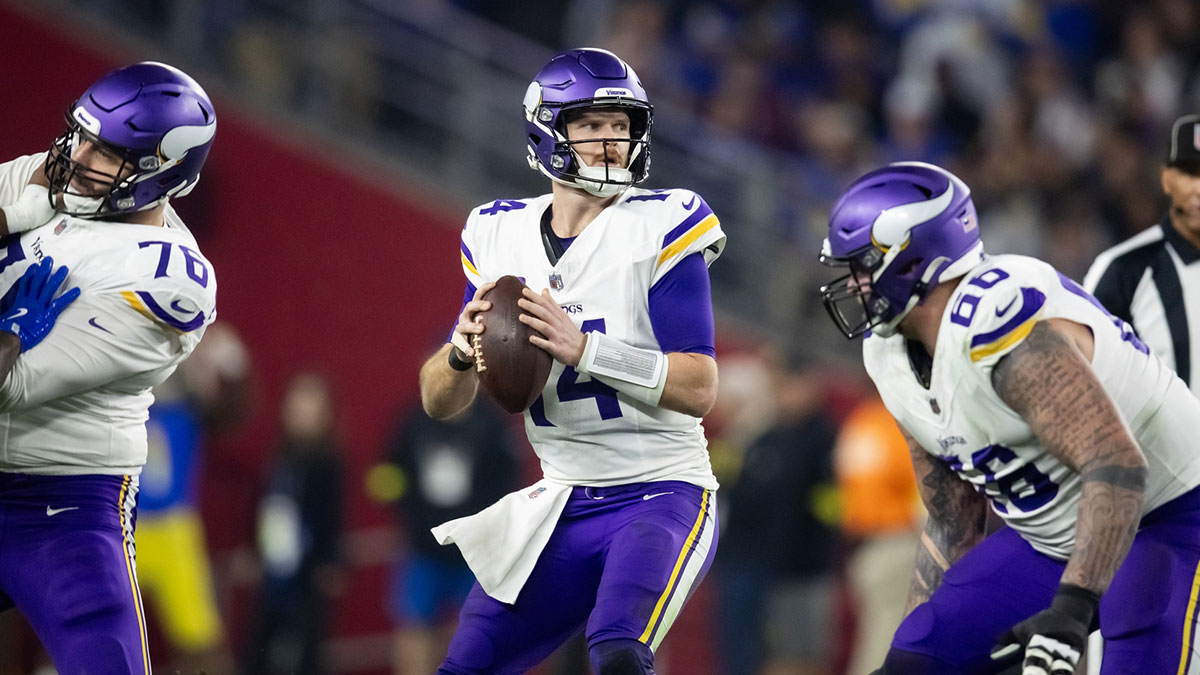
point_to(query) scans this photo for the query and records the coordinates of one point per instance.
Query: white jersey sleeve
(15, 175)
(699, 232)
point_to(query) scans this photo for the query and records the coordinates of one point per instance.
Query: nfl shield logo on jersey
(556, 281)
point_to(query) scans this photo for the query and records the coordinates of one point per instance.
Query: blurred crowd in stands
(1054, 111)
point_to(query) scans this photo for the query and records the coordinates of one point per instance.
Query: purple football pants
(67, 563)
(622, 559)
(1147, 616)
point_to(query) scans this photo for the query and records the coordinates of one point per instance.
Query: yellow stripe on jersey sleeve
(468, 266)
(682, 243)
(1011, 338)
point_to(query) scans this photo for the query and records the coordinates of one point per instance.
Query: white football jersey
(963, 421)
(76, 403)
(584, 432)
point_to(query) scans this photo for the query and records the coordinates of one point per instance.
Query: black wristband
(459, 363)
(1076, 602)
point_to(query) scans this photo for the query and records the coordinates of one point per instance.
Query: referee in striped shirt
(1152, 280)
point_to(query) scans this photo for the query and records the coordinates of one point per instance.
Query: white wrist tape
(640, 374)
(32, 209)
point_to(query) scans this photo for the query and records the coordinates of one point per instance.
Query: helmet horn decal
(176, 142)
(893, 225)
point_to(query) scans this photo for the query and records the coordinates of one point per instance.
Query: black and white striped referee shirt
(1152, 281)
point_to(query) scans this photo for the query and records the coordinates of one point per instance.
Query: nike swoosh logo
(657, 494)
(18, 314)
(55, 512)
(1004, 310)
(689, 203)
(92, 322)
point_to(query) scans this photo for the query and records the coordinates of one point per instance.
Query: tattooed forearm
(1051, 385)
(929, 569)
(1109, 511)
(957, 515)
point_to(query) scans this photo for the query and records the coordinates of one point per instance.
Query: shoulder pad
(174, 285)
(997, 311)
(692, 228)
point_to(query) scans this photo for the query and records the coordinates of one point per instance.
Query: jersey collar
(1187, 251)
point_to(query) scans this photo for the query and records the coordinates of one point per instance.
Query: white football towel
(502, 543)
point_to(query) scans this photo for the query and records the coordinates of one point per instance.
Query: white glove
(32, 209)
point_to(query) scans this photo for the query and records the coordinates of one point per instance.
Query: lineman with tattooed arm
(1014, 387)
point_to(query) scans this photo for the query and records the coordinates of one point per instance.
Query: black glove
(1054, 638)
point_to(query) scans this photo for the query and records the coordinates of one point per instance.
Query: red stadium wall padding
(317, 268)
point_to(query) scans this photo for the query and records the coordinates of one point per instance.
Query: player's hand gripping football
(563, 340)
(34, 309)
(467, 326)
(1054, 638)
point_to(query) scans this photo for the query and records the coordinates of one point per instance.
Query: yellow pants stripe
(127, 533)
(1188, 619)
(683, 554)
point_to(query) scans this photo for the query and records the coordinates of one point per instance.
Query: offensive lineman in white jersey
(622, 528)
(1014, 386)
(73, 409)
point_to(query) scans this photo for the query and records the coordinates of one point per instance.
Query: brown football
(512, 369)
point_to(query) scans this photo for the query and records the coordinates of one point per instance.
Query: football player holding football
(1015, 388)
(623, 526)
(73, 434)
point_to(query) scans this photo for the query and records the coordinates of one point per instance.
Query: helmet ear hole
(911, 266)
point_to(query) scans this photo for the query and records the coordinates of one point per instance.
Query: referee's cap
(1184, 153)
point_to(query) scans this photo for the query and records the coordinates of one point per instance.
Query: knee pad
(622, 657)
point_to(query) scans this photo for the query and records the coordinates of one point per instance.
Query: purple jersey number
(569, 388)
(195, 268)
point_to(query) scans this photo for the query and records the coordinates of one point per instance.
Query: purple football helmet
(571, 81)
(900, 230)
(155, 120)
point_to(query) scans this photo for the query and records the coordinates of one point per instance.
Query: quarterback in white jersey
(1015, 387)
(74, 406)
(585, 435)
(626, 508)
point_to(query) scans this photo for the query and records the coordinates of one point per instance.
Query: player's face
(1183, 189)
(601, 124)
(99, 167)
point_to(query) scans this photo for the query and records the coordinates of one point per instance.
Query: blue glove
(1054, 638)
(34, 308)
